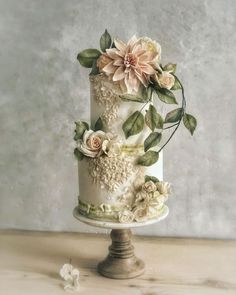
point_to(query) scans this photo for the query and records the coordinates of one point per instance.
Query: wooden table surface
(30, 262)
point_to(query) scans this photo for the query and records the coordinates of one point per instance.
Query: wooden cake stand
(121, 262)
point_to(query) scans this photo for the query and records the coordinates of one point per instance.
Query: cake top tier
(131, 77)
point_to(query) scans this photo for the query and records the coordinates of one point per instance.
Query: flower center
(130, 60)
(94, 142)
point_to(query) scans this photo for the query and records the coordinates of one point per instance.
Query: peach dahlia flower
(132, 63)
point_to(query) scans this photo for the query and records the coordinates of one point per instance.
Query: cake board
(121, 262)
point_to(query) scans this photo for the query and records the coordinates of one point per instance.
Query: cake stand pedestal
(121, 262)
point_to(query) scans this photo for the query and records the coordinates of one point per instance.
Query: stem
(178, 123)
(170, 126)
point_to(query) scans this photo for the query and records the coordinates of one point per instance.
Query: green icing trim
(106, 212)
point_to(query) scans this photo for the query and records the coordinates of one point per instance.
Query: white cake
(120, 151)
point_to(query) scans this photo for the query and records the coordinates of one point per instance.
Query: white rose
(110, 147)
(158, 200)
(141, 199)
(163, 188)
(140, 213)
(125, 216)
(166, 80)
(149, 186)
(152, 46)
(94, 143)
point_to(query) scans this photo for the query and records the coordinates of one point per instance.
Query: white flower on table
(70, 275)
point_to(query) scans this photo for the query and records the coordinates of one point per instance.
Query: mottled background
(43, 90)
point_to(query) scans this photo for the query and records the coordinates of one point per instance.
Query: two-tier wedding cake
(120, 151)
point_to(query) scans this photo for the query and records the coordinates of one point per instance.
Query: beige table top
(30, 261)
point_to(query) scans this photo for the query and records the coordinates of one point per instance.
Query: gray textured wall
(43, 90)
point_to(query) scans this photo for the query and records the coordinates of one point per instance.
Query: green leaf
(105, 41)
(86, 125)
(134, 124)
(152, 140)
(190, 122)
(174, 116)
(80, 128)
(148, 159)
(166, 95)
(143, 95)
(145, 92)
(98, 125)
(153, 119)
(88, 56)
(132, 97)
(151, 178)
(95, 69)
(177, 84)
(170, 67)
(78, 154)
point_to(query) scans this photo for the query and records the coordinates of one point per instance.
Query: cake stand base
(121, 263)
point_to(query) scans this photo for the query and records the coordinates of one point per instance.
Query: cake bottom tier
(119, 214)
(115, 189)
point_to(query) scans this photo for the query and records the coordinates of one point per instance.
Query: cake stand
(121, 262)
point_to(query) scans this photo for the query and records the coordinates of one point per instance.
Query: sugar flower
(125, 216)
(164, 188)
(165, 80)
(152, 46)
(130, 64)
(140, 213)
(70, 276)
(149, 186)
(96, 143)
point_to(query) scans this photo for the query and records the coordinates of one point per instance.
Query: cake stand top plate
(116, 225)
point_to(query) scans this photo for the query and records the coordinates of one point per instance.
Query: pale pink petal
(132, 41)
(120, 53)
(136, 85)
(142, 79)
(110, 69)
(112, 53)
(137, 49)
(132, 75)
(148, 56)
(138, 71)
(133, 82)
(127, 84)
(119, 74)
(118, 62)
(120, 44)
(146, 68)
(141, 52)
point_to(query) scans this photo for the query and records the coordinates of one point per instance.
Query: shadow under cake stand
(121, 262)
